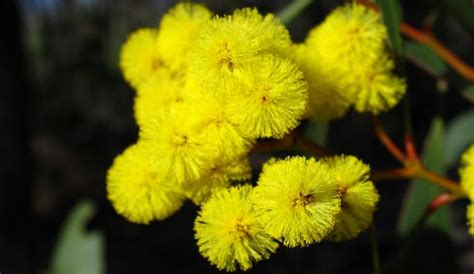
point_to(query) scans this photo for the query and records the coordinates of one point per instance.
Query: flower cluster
(467, 183)
(208, 87)
(296, 201)
(346, 63)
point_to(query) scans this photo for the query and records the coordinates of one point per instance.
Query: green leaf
(468, 93)
(420, 193)
(78, 251)
(392, 17)
(425, 58)
(318, 132)
(292, 10)
(459, 135)
(462, 10)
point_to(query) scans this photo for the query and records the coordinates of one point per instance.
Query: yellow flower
(296, 201)
(219, 127)
(466, 172)
(157, 96)
(377, 89)
(358, 196)
(228, 233)
(470, 218)
(178, 139)
(326, 96)
(222, 173)
(346, 63)
(225, 44)
(178, 28)
(350, 35)
(140, 57)
(271, 97)
(139, 188)
(468, 157)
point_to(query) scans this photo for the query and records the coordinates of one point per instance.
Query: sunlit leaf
(420, 193)
(462, 10)
(318, 132)
(392, 17)
(425, 58)
(468, 93)
(459, 135)
(78, 251)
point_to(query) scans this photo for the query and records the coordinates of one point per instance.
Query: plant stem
(428, 175)
(410, 147)
(375, 249)
(291, 142)
(386, 141)
(428, 40)
(391, 174)
(437, 202)
(305, 144)
(292, 10)
(418, 171)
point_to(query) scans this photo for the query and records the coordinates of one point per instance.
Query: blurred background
(66, 112)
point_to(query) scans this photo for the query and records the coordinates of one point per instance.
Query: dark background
(66, 112)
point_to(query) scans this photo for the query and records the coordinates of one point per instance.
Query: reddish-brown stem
(308, 145)
(439, 201)
(428, 175)
(386, 141)
(410, 148)
(289, 142)
(418, 171)
(428, 40)
(369, 4)
(274, 145)
(391, 174)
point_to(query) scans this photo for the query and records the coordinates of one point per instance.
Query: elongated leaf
(462, 10)
(292, 10)
(468, 93)
(392, 17)
(459, 135)
(318, 132)
(420, 193)
(78, 251)
(426, 58)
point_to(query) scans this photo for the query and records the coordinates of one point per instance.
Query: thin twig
(386, 141)
(374, 246)
(292, 10)
(428, 40)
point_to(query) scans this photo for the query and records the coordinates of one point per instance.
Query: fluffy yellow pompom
(228, 232)
(178, 28)
(466, 172)
(327, 98)
(345, 62)
(219, 127)
(157, 96)
(350, 35)
(178, 139)
(226, 44)
(270, 99)
(470, 218)
(139, 188)
(140, 57)
(222, 173)
(377, 89)
(358, 196)
(296, 201)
